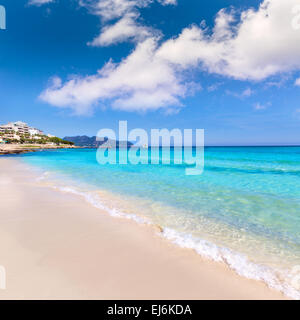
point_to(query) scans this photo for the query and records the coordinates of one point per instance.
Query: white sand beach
(55, 245)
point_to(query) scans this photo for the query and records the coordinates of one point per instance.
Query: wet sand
(54, 245)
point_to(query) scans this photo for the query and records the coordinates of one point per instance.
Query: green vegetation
(59, 141)
(38, 139)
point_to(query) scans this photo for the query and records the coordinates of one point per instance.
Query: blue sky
(72, 67)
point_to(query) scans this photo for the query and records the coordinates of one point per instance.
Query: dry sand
(56, 246)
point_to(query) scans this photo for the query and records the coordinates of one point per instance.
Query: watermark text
(178, 147)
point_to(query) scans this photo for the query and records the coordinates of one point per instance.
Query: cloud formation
(250, 45)
(258, 106)
(253, 45)
(113, 9)
(241, 95)
(127, 26)
(167, 2)
(39, 2)
(140, 82)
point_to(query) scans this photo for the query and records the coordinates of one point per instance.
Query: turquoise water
(244, 210)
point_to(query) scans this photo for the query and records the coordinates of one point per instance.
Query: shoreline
(73, 250)
(13, 149)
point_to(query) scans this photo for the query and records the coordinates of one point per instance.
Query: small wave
(235, 261)
(44, 176)
(95, 200)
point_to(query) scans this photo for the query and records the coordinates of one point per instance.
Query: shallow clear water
(243, 210)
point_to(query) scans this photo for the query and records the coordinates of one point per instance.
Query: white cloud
(39, 2)
(140, 82)
(113, 9)
(214, 87)
(252, 45)
(279, 82)
(258, 106)
(244, 94)
(126, 28)
(297, 82)
(247, 92)
(257, 44)
(167, 2)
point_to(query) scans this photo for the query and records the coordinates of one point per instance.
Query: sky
(232, 68)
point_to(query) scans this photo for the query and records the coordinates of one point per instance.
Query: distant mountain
(85, 141)
(81, 141)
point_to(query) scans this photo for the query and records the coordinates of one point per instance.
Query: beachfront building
(20, 133)
(7, 128)
(8, 131)
(13, 130)
(35, 132)
(19, 127)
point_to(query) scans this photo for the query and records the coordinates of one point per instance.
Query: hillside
(85, 141)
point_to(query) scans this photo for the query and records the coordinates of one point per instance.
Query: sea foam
(235, 261)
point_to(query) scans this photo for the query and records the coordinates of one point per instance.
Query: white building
(35, 132)
(20, 128)
(7, 128)
(14, 130)
(9, 131)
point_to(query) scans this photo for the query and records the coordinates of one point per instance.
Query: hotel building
(14, 130)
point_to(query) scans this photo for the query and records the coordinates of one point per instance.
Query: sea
(242, 211)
